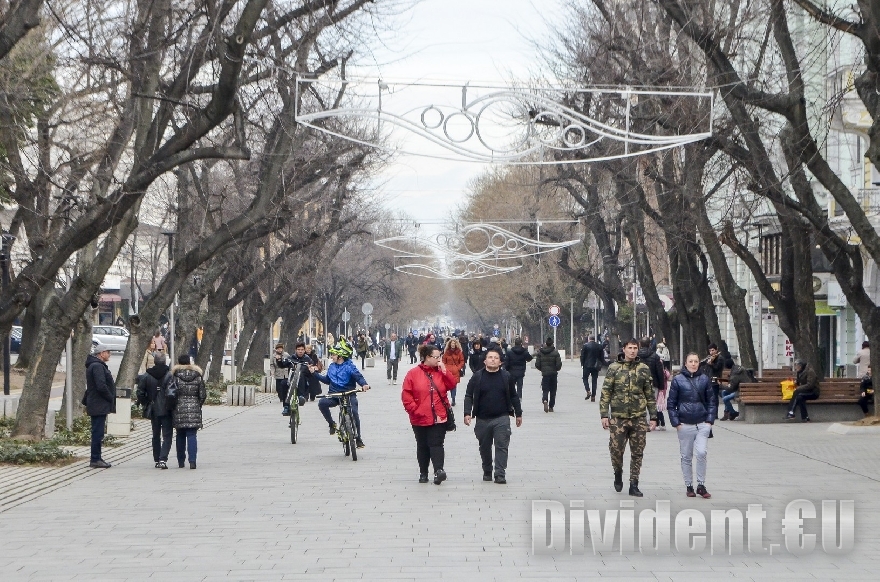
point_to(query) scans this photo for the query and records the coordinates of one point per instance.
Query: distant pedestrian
(863, 358)
(549, 362)
(491, 398)
(454, 360)
(663, 354)
(592, 358)
(363, 347)
(159, 341)
(693, 408)
(412, 344)
(393, 352)
(866, 393)
(425, 398)
(191, 395)
(151, 396)
(99, 400)
(279, 367)
(478, 354)
(515, 364)
(627, 394)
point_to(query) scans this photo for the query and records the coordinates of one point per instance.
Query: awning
(823, 309)
(110, 298)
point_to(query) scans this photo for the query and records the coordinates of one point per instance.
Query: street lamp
(170, 235)
(5, 259)
(760, 225)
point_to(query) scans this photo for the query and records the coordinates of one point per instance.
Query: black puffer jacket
(151, 392)
(100, 396)
(476, 361)
(191, 395)
(691, 399)
(652, 360)
(517, 358)
(548, 360)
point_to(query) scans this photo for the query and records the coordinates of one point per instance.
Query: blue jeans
(325, 404)
(98, 424)
(727, 396)
(187, 444)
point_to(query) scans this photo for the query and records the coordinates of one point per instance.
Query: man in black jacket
(592, 357)
(99, 400)
(649, 357)
(515, 364)
(491, 398)
(151, 395)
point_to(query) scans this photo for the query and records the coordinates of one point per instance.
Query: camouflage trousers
(633, 430)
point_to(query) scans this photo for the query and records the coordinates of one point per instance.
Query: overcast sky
(455, 40)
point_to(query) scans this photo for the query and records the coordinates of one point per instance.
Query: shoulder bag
(449, 425)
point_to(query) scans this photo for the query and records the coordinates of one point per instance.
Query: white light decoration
(491, 124)
(472, 251)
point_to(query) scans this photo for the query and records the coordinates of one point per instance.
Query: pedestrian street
(260, 508)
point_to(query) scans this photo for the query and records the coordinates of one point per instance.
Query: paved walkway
(259, 508)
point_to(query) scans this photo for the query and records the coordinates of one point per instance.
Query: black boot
(634, 489)
(618, 481)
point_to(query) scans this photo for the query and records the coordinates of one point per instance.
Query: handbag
(461, 372)
(449, 425)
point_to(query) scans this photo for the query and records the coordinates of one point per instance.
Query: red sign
(789, 348)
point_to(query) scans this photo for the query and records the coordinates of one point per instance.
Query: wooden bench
(761, 402)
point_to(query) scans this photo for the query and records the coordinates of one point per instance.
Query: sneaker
(192, 465)
(439, 476)
(546, 406)
(500, 480)
(634, 489)
(157, 464)
(286, 411)
(453, 402)
(360, 444)
(487, 476)
(701, 491)
(180, 464)
(161, 465)
(690, 491)
(789, 416)
(332, 428)
(423, 478)
(592, 398)
(99, 464)
(302, 401)
(733, 415)
(618, 481)
(586, 398)
(389, 383)
(663, 427)
(805, 419)
(551, 410)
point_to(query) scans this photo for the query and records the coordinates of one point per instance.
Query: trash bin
(119, 424)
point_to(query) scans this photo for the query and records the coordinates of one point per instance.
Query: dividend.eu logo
(724, 531)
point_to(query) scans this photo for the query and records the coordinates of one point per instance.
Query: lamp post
(5, 259)
(170, 235)
(760, 303)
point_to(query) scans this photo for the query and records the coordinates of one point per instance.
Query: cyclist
(342, 375)
(299, 357)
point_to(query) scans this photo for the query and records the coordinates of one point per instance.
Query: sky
(488, 41)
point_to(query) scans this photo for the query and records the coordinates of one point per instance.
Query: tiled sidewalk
(259, 508)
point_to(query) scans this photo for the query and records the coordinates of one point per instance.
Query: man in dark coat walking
(592, 358)
(515, 364)
(151, 395)
(99, 400)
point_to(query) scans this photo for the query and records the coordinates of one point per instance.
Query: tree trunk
(254, 363)
(30, 326)
(82, 347)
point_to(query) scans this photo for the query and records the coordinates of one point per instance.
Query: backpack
(171, 387)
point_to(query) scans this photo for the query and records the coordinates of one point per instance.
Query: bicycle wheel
(352, 436)
(294, 425)
(342, 432)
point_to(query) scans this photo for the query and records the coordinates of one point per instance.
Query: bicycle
(346, 428)
(292, 400)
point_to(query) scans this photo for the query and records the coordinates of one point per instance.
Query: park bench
(762, 403)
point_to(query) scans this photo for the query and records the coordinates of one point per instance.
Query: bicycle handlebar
(341, 394)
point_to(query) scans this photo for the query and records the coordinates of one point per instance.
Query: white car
(111, 335)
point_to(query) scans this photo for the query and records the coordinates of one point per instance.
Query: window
(771, 254)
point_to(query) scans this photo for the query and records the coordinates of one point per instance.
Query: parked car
(111, 335)
(15, 339)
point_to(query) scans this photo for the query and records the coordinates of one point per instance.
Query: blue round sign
(554, 321)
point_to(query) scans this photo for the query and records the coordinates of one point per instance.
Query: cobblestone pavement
(260, 508)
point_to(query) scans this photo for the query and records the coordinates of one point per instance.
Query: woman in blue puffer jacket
(693, 407)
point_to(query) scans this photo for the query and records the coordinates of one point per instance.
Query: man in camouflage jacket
(627, 393)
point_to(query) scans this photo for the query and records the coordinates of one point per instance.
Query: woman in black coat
(693, 407)
(477, 357)
(191, 396)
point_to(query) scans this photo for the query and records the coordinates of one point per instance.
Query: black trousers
(591, 378)
(429, 446)
(799, 400)
(548, 388)
(281, 387)
(161, 437)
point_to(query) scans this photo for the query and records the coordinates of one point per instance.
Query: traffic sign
(387, 326)
(496, 326)
(367, 308)
(554, 320)
(346, 315)
(554, 310)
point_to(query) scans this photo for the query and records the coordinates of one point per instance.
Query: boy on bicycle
(342, 375)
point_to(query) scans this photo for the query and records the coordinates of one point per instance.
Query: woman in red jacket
(453, 359)
(424, 398)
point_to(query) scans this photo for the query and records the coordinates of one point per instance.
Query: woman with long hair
(453, 359)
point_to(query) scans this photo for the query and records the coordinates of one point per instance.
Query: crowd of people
(638, 389)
